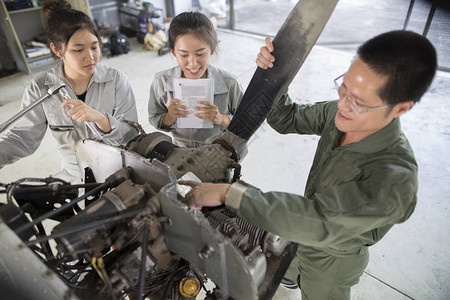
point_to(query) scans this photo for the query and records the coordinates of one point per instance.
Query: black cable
(62, 208)
(45, 246)
(208, 292)
(142, 272)
(113, 180)
(116, 218)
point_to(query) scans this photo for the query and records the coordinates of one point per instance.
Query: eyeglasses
(358, 108)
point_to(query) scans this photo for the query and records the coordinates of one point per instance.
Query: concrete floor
(411, 262)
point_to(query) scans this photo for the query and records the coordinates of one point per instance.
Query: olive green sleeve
(289, 117)
(328, 219)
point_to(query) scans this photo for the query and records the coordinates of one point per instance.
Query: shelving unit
(20, 26)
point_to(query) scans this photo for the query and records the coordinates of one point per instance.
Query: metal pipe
(408, 15)
(14, 118)
(429, 19)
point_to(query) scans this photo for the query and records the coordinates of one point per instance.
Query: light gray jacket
(227, 96)
(108, 92)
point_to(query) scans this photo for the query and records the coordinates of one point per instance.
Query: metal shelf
(23, 10)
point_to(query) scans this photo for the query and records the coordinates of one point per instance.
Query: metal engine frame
(136, 238)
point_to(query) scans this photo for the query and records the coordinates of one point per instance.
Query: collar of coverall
(379, 140)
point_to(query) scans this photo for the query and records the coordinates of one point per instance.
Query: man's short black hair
(408, 60)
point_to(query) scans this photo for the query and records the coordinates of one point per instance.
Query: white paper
(182, 190)
(190, 91)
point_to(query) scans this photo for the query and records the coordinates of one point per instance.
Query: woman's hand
(210, 112)
(174, 111)
(265, 59)
(80, 112)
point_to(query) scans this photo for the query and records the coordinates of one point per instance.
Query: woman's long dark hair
(60, 22)
(194, 23)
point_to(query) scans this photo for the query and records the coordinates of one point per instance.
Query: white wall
(182, 5)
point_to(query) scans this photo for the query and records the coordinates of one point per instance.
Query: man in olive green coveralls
(364, 176)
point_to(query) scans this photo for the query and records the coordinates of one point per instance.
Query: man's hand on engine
(205, 194)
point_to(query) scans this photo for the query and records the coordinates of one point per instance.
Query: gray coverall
(108, 92)
(227, 96)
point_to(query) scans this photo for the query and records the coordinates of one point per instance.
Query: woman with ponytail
(98, 102)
